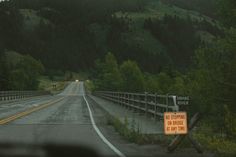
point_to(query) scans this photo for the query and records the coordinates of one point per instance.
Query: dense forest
(72, 34)
(65, 31)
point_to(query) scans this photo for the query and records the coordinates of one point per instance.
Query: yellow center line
(27, 112)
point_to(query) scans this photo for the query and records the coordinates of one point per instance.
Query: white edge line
(119, 153)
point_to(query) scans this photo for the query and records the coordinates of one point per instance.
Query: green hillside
(31, 19)
(87, 32)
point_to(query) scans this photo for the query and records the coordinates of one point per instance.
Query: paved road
(66, 122)
(73, 119)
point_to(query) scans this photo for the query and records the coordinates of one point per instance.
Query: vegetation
(22, 74)
(4, 73)
(208, 7)
(53, 87)
(169, 29)
(130, 131)
(132, 77)
(159, 46)
(130, 134)
(227, 12)
(110, 76)
(210, 81)
(72, 38)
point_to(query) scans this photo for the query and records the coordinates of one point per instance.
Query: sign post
(176, 124)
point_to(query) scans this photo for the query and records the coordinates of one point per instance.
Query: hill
(71, 35)
(207, 8)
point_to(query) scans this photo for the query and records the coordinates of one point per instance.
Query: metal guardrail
(149, 103)
(14, 95)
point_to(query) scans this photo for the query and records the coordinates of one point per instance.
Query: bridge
(78, 117)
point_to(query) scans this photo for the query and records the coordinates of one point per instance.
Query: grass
(216, 143)
(131, 132)
(221, 146)
(89, 85)
(52, 86)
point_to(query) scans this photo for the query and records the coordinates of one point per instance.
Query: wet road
(65, 122)
(71, 118)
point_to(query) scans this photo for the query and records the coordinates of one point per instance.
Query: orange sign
(175, 123)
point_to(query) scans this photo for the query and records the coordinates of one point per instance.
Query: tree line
(72, 34)
(210, 81)
(22, 74)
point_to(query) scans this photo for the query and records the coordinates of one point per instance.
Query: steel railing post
(167, 102)
(140, 105)
(146, 105)
(128, 101)
(155, 116)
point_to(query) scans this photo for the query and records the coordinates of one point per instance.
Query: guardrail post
(146, 106)
(155, 116)
(128, 102)
(122, 99)
(133, 103)
(167, 102)
(118, 97)
(125, 101)
(7, 95)
(139, 104)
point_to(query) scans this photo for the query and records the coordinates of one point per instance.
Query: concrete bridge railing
(149, 103)
(14, 95)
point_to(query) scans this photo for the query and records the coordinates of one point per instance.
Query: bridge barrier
(14, 95)
(155, 105)
(149, 103)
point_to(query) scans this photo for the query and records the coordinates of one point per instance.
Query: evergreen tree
(110, 78)
(133, 80)
(3, 70)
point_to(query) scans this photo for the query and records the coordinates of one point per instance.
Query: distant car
(76, 80)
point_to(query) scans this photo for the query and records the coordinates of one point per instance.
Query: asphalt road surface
(66, 122)
(68, 118)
